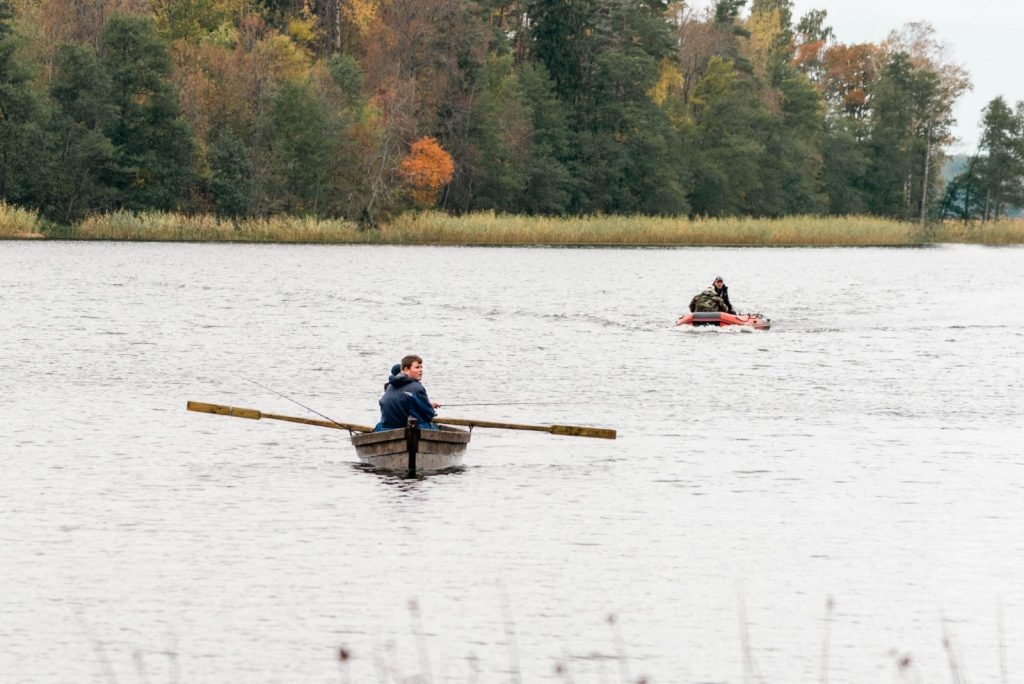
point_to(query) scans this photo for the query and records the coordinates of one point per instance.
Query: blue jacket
(402, 398)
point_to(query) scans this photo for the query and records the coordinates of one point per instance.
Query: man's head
(412, 366)
(718, 281)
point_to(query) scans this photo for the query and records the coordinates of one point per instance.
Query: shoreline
(533, 245)
(492, 230)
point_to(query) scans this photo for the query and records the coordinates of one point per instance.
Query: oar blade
(239, 412)
(581, 431)
(235, 411)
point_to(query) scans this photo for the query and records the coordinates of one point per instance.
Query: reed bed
(488, 228)
(495, 229)
(1001, 232)
(171, 227)
(16, 222)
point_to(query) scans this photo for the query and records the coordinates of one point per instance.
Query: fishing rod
(341, 425)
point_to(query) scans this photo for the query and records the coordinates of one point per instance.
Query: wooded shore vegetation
(357, 120)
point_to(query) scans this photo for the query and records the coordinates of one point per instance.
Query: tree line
(362, 109)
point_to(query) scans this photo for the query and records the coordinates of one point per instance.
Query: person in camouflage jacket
(714, 298)
(708, 300)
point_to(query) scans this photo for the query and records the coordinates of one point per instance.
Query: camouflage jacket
(708, 300)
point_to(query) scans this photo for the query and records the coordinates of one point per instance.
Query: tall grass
(160, 226)
(1001, 232)
(495, 229)
(487, 228)
(16, 222)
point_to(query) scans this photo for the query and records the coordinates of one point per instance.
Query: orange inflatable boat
(720, 319)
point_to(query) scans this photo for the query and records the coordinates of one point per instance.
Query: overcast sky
(984, 36)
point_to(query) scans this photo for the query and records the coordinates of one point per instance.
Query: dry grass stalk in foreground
(16, 222)
(158, 226)
(493, 229)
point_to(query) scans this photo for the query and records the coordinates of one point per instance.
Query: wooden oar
(568, 430)
(253, 414)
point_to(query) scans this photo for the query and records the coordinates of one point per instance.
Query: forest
(364, 109)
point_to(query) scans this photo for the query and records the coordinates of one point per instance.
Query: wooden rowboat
(408, 449)
(412, 450)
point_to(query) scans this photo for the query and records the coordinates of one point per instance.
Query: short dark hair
(407, 361)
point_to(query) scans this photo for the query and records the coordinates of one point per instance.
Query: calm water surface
(864, 453)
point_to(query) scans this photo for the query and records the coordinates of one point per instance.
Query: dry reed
(1001, 232)
(16, 222)
(494, 229)
(488, 228)
(160, 226)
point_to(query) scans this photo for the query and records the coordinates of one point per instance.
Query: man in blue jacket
(404, 396)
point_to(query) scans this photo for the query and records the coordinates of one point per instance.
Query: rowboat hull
(722, 319)
(434, 449)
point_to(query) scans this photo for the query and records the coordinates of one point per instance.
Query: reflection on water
(404, 479)
(865, 451)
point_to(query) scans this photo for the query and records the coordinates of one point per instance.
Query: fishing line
(293, 401)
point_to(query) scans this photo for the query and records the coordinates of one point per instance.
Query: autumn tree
(342, 26)
(768, 42)
(404, 82)
(194, 20)
(74, 21)
(426, 170)
(811, 40)
(698, 39)
(780, 13)
(848, 79)
(275, 128)
(755, 122)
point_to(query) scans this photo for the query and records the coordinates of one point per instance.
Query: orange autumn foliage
(426, 169)
(850, 72)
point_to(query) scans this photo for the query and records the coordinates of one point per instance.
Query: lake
(830, 500)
